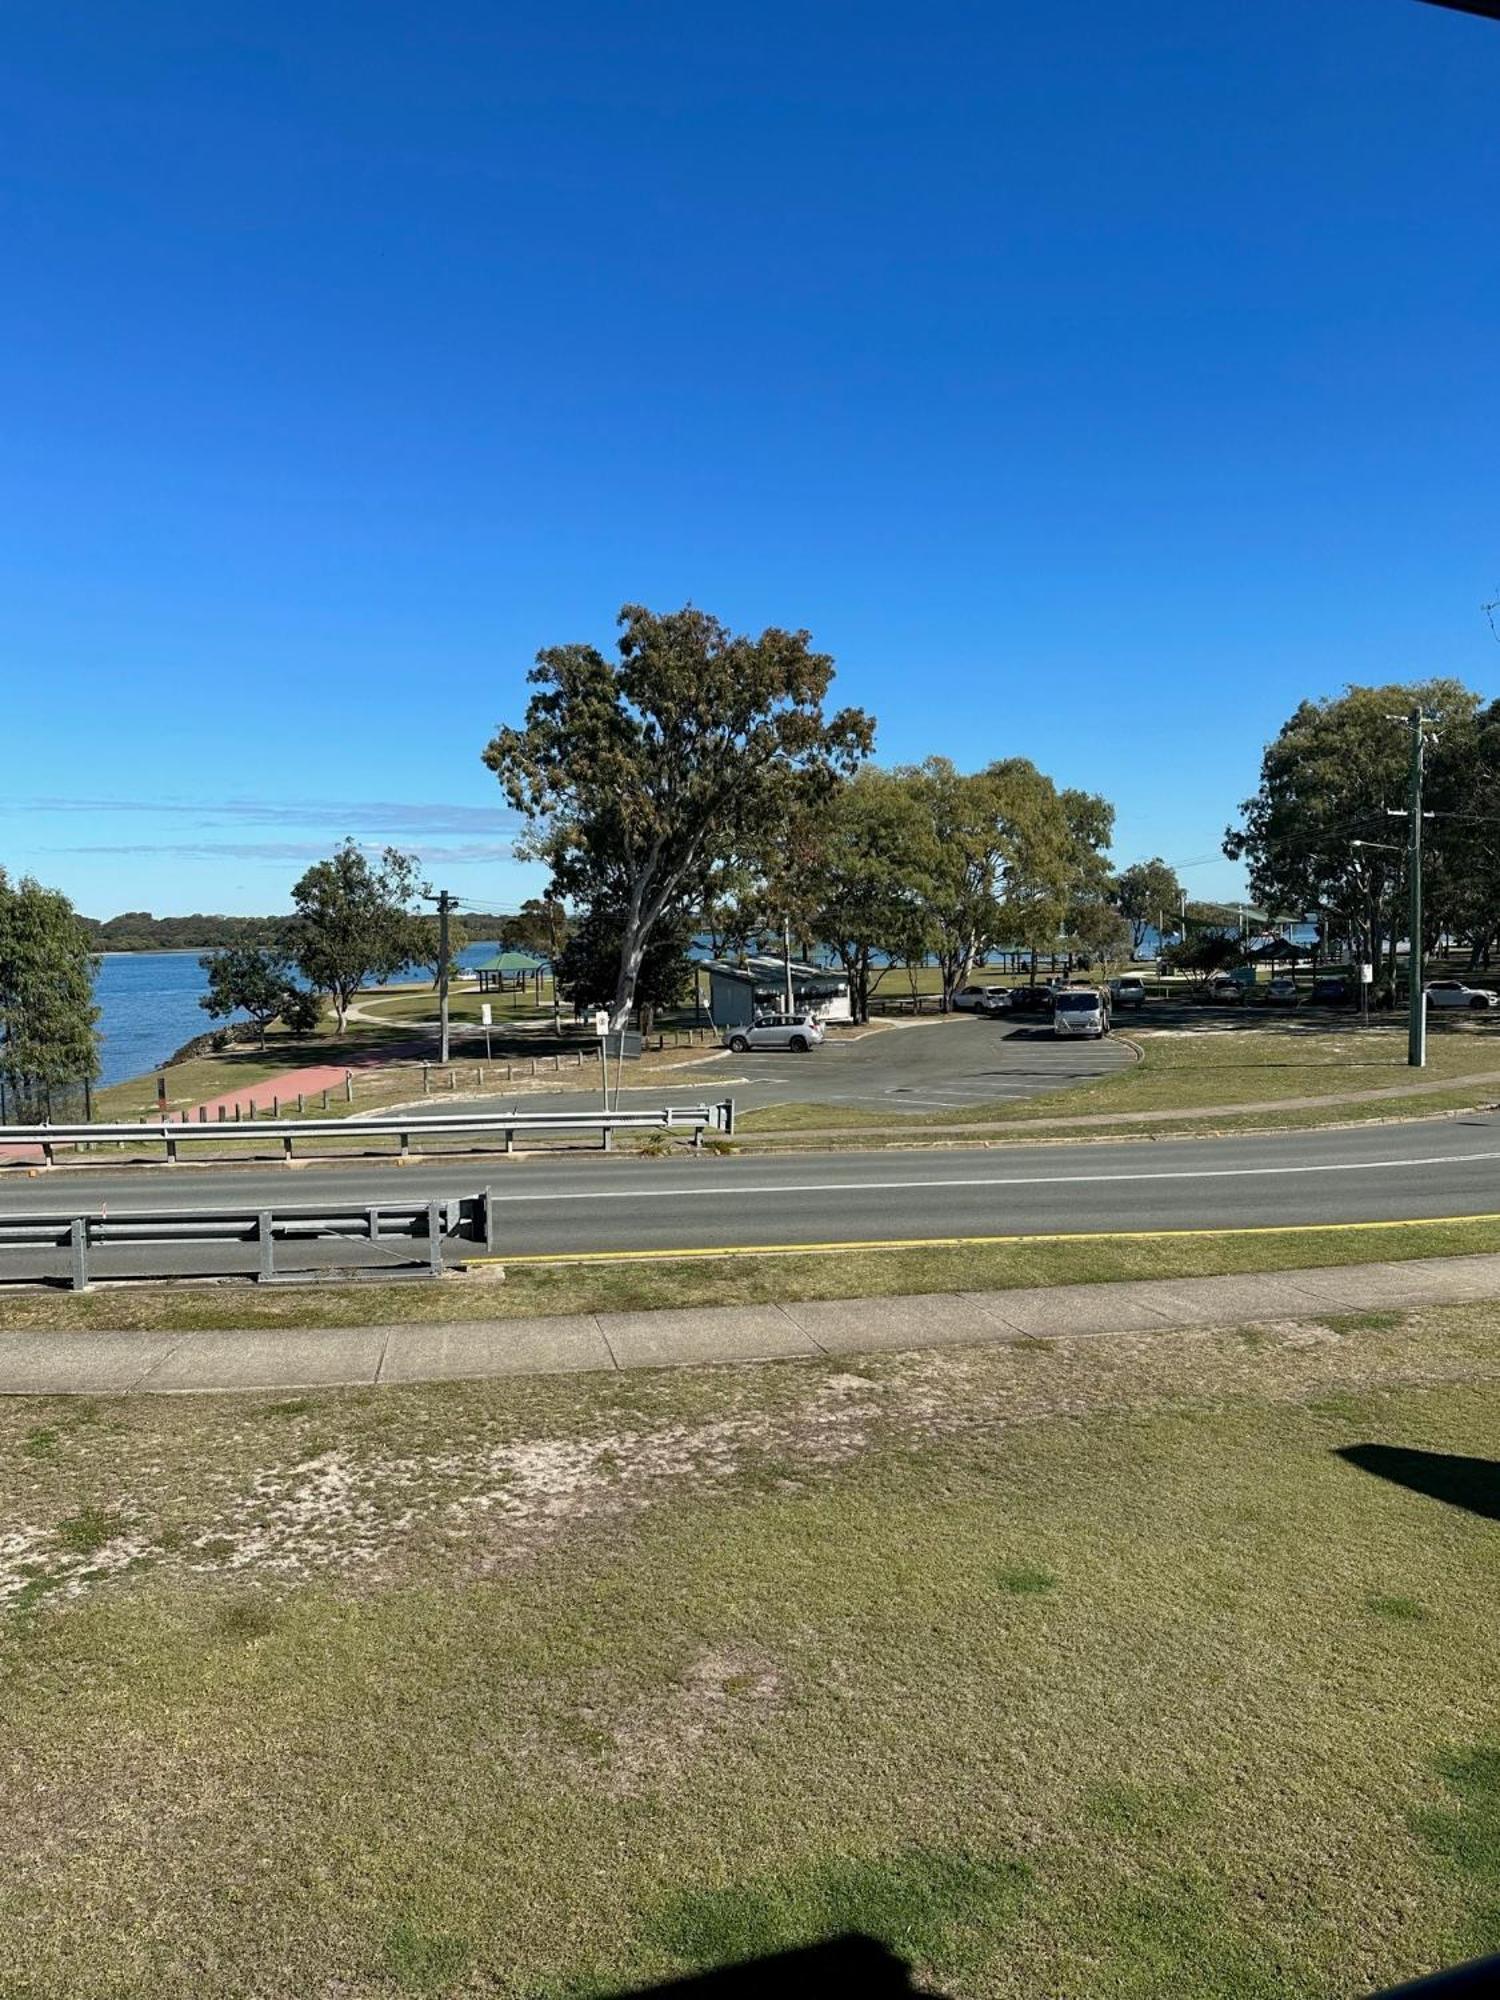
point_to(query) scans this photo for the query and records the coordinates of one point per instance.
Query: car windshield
(1078, 1003)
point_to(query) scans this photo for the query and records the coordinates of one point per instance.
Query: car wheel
(738, 1044)
(801, 1044)
(1478, 1005)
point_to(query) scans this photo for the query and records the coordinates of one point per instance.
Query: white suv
(1453, 993)
(778, 1031)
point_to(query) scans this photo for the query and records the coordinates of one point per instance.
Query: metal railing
(46, 1139)
(467, 1218)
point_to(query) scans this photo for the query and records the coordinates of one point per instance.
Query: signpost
(487, 1016)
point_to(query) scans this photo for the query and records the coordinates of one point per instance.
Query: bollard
(202, 1114)
(221, 1114)
(325, 1100)
(275, 1107)
(533, 1065)
(252, 1111)
(452, 1081)
(426, 1080)
(236, 1111)
(348, 1086)
(301, 1107)
(557, 1062)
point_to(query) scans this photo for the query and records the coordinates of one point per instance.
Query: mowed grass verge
(1200, 1064)
(521, 1290)
(1093, 1669)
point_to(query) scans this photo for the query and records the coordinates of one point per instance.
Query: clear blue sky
(1093, 380)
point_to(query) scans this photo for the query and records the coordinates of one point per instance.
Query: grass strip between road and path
(1145, 1666)
(646, 1281)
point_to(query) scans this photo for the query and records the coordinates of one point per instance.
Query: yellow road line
(969, 1242)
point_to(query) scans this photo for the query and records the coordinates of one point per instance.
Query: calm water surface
(148, 1006)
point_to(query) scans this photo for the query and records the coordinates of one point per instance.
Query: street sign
(486, 1014)
(601, 1021)
(1366, 973)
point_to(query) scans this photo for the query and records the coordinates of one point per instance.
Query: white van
(1080, 1011)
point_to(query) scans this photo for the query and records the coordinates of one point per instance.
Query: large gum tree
(643, 775)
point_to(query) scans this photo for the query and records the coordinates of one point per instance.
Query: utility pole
(1416, 1027)
(1416, 1023)
(445, 903)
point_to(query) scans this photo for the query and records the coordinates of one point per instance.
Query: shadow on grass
(1470, 1483)
(852, 1964)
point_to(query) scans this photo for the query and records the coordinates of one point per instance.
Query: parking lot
(911, 1070)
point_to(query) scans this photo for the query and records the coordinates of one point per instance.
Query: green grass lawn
(1203, 1063)
(528, 1290)
(1082, 1668)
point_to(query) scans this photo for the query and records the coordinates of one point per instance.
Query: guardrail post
(78, 1242)
(286, 1142)
(510, 1138)
(171, 1138)
(487, 1219)
(405, 1153)
(729, 1118)
(606, 1138)
(47, 1153)
(265, 1238)
(435, 1238)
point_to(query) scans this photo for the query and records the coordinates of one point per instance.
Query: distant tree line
(138, 930)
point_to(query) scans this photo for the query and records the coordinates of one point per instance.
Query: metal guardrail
(469, 1218)
(696, 1118)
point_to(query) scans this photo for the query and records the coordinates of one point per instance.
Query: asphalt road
(561, 1205)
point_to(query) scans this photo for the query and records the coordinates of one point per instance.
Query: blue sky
(1093, 381)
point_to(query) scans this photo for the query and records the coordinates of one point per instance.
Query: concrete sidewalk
(108, 1363)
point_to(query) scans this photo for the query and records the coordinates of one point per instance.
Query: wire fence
(25, 1101)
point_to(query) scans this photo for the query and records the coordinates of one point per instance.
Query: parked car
(1333, 990)
(1129, 990)
(1080, 1011)
(997, 1000)
(1032, 999)
(1282, 993)
(978, 999)
(1453, 993)
(778, 1031)
(1221, 991)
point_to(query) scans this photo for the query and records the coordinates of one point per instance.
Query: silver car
(777, 1031)
(1453, 993)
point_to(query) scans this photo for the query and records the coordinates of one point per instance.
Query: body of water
(148, 1006)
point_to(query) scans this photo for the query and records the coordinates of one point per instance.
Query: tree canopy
(354, 922)
(249, 979)
(48, 1021)
(640, 776)
(1145, 894)
(1329, 781)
